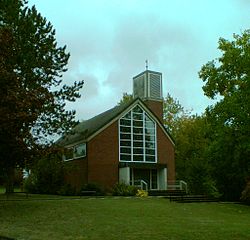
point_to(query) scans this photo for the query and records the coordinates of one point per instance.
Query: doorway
(147, 175)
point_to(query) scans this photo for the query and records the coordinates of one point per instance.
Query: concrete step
(193, 198)
(166, 192)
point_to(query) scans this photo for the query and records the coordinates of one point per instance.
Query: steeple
(148, 86)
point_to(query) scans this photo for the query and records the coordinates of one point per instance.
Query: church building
(127, 143)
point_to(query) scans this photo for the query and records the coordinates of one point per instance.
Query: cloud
(110, 42)
(163, 44)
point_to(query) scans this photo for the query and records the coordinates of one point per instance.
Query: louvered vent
(139, 86)
(155, 86)
(147, 85)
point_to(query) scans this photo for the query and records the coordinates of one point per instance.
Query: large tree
(33, 98)
(192, 163)
(173, 114)
(228, 78)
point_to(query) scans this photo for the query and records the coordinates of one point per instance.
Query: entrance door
(147, 175)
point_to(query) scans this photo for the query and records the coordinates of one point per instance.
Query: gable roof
(85, 130)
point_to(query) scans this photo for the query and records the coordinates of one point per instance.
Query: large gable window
(137, 137)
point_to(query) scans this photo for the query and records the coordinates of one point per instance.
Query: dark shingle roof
(86, 128)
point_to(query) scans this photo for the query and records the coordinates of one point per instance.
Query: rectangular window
(126, 150)
(125, 122)
(137, 137)
(150, 138)
(126, 143)
(150, 145)
(138, 144)
(137, 158)
(137, 123)
(150, 158)
(125, 157)
(138, 130)
(74, 152)
(150, 131)
(149, 124)
(137, 116)
(125, 129)
(150, 151)
(80, 150)
(125, 136)
(137, 150)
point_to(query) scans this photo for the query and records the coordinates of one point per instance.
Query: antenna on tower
(146, 64)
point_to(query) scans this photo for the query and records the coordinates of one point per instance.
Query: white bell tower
(148, 85)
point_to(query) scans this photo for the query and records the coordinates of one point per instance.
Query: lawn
(122, 218)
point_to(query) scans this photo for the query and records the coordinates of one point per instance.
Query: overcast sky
(109, 41)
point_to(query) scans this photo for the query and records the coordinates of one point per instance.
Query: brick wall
(165, 153)
(156, 107)
(77, 172)
(103, 157)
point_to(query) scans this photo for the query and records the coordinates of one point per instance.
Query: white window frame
(131, 154)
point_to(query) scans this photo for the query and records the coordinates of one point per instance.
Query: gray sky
(109, 41)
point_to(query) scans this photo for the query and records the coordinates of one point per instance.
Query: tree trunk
(9, 181)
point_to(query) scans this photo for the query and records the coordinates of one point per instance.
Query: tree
(33, 98)
(229, 78)
(192, 163)
(173, 114)
(126, 97)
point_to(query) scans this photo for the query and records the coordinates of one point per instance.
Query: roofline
(158, 121)
(147, 71)
(112, 120)
(144, 106)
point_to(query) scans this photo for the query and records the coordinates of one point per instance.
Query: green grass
(122, 218)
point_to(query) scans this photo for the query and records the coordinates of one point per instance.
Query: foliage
(245, 195)
(125, 99)
(33, 98)
(173, 114)
(229, 78)
(47, 175)
(141, 193)
(122, 189)
(67, 190)
(192, 163)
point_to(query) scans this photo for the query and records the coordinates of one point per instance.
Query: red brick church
(127, 143)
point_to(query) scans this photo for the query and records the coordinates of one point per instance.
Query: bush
(122, 189)
(141, 193)
(245, 195)
(29, 184)
(93, 187)
(67, 190)
(47, 175)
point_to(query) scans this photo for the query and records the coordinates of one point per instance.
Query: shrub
(245, 195)
(141, 193)
(67, 190)
(30, 184)
(47, 175)
(122, 189)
